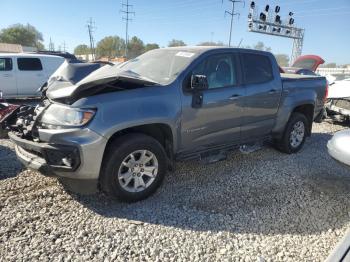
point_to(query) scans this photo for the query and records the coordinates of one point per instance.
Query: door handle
(7, 75)
(234, 97)
(272, 91)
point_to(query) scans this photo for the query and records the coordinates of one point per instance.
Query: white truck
(21, 74)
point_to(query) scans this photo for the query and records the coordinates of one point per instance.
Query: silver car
(339, 147)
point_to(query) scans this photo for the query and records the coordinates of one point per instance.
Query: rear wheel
(133, 168)
(294, 134)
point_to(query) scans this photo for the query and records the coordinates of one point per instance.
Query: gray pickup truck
(120, 128)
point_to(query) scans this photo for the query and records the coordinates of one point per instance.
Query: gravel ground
(262, 206)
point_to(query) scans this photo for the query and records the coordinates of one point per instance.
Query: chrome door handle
(272, 91)
(7, 75)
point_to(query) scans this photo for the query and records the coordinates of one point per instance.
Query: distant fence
(333, 71)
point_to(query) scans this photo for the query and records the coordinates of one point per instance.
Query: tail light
(326, 93)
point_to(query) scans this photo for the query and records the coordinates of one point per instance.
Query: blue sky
(327, 23)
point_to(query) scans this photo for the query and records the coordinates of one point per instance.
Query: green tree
(135, 47)
(110, 46)
(282, 59)
(261, 46)
(175, 42)
(211, 43)
(26, 35)
(151, 46)
(82, 50)
(330, 65)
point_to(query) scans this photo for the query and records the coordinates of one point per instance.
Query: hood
(73, 82)
(309, 62)
(306, 62)
(339, 89)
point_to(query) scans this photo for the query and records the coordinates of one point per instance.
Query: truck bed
(292, 77)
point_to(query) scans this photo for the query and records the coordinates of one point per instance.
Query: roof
(201, 49)
(26, 55)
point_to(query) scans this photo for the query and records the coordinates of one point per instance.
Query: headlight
(57, 116)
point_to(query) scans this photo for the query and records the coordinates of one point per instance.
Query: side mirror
(199, 82)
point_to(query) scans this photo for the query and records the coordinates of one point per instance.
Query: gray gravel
(264, 206)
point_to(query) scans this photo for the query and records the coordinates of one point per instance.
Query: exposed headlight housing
(58, 116)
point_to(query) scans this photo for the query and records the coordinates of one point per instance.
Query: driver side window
(219, 69)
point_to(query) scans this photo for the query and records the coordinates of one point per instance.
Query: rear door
(30, 77)
(263, 92)
(8, 83)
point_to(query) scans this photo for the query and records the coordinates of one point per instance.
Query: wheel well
(308, 111)
(161, 132)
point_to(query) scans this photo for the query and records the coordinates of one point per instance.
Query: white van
(21, 75)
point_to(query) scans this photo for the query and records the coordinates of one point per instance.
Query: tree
(282, 59)
(110, 46)
(261, 46)
(26, 35)
(330, 65)
(211, 44)
(152, 46)
(135, 47)
(175, 42)
(82, 50)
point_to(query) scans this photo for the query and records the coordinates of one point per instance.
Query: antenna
(126, 10)
(232, 14)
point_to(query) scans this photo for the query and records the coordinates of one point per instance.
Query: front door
(7, 77)
(31, 76)
(218, 120)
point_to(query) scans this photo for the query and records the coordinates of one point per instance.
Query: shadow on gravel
(265, 192)
(9, 165)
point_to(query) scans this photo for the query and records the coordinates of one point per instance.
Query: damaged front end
(339, 108)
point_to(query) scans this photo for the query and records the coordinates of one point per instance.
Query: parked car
(339, 147)
(338, 103)
(122, 127)
(304, 65)
(21, 75)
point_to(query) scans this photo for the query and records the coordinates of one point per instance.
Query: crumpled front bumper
(66, 153)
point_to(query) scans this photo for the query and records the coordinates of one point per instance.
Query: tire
(287, 144)
(122, 174)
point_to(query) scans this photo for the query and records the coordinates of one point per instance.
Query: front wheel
(294, 134)
(133, 168)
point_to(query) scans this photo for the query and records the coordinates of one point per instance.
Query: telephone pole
(64, 46)
(126, 10)
(232, 14)
(51, 45)
(91, 27)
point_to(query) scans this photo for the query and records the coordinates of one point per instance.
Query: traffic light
(277, 9)
(252, 5)
(278, 19)
(291, 21)
(263, 17)
(267, 7)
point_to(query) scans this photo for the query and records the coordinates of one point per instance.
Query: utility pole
(64, 46)
(91, 27)
(51, 45)
(126, 10)
(232, 14)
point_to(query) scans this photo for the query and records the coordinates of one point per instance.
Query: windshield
(160, 65)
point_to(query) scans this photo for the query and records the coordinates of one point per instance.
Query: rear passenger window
(29, 64)
(5, 64)
(257, 69)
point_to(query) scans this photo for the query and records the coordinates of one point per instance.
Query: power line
(232, 14)
(126, 10)
(91, 27)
